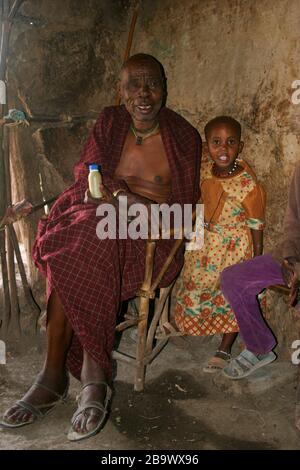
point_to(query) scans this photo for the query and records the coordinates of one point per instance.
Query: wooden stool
(148, 346)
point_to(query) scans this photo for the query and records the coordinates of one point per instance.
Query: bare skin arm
(257, 238)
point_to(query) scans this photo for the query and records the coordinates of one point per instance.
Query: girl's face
(224, 145)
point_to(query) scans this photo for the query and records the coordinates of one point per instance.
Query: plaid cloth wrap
(93, 276)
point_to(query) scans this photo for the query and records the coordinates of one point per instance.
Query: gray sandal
(37, 411)
(103, 407)
(246, 363)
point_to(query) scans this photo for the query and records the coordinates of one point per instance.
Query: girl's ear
(241, 146)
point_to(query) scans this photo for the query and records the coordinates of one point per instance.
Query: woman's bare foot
(88, 420)
(95, 396)
(47, 390)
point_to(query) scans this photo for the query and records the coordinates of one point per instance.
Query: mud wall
(236, 57)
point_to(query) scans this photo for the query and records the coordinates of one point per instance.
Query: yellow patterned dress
(232, 206)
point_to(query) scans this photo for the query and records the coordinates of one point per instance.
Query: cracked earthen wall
(236, 57)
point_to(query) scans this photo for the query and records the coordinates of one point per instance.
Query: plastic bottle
(95, 179)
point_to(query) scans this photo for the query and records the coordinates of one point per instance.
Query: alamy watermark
(296, 354)
(295, 98)
(139, 221)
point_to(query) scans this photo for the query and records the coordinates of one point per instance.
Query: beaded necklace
(233, 169)
(140, 138)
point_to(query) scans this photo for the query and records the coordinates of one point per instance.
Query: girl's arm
(257, 239)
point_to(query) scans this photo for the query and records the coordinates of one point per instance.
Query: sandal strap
(244, 362)
(108, 392)
(58, 395)
(91, 404)
(94, 383)
(94, 404)
(34, 410)
(224, 352)
(247, 358)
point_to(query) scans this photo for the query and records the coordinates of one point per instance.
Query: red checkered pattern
(92, 276)
(195, 326)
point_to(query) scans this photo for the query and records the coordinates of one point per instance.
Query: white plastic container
(95, 179)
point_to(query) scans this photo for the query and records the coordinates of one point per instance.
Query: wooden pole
(129, 44)
(3, 193)
(130, 36)
(14, 323)
(26, 288)
(143, 317)
(11, 306)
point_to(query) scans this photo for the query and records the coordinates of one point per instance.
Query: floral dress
(232, 206)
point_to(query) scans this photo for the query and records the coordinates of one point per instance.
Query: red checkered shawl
(90, 275)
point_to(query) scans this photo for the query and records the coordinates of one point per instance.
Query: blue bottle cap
(93, 166)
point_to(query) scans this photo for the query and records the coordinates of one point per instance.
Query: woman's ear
(241, 146)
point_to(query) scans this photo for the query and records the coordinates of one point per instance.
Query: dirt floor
(181, 407)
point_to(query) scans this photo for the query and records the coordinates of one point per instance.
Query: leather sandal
(37, 411)
(103, 407)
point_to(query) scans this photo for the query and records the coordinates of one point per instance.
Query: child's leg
(222, 355)
(241, 284)
(226, 343)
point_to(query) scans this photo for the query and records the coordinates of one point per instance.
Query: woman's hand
(107, 197)
(291, 279)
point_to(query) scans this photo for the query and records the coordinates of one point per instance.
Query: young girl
(234, 205)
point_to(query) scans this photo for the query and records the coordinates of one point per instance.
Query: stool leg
(143, 319)
(139, 381)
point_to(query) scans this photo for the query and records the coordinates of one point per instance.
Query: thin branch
(26, 288)
(14, 9)
(14, 324)
(6, 313)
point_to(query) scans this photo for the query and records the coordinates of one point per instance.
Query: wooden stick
(129, 43)
(14, 9)
(14, 323)
(13, 289)
(3, 194)
(62, 118)
(26, 288)
(42, 204)
(8, 270)
(130, 36)
(6, 297)
(9, 221)
(143, 318)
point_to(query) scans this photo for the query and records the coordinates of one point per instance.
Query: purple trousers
(241, 284)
